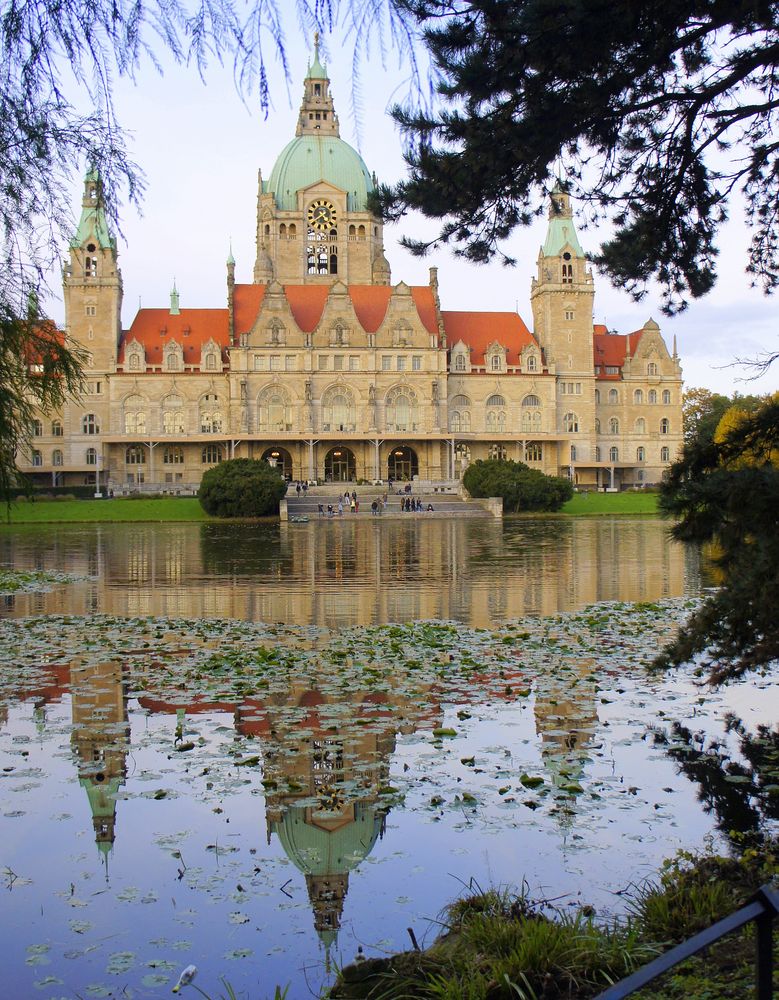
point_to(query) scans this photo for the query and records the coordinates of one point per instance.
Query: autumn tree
(725, 491)
(656, 114)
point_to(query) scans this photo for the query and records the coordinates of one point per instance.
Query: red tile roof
(479, 329)
(307, 303)
(191, 328)
(610, 349)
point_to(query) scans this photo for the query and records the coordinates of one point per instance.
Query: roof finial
(230, 258)
(316, 46)
(174, 300)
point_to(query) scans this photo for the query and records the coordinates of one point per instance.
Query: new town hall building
(324, 367)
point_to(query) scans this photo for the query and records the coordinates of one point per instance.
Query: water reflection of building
(101, 741)
(359, 571)
(326, 759)
(566, 720)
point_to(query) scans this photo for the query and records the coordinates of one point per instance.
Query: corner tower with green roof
(313, 221)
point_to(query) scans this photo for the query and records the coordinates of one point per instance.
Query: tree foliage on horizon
(724, 492)
(657, 115)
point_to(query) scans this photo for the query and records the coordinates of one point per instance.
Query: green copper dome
(312, 158)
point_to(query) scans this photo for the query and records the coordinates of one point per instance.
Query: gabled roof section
(479, 329)
(192, 328)
(307, 303)
(611, 349)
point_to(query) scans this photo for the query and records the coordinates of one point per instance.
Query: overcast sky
(201, 147)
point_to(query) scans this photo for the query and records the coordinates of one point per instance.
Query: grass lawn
(168, 509)
(612, 503)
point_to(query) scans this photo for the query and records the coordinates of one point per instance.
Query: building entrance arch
(279, 458)
(340, 465)
(402, 464)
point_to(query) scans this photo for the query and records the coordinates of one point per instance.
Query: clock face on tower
(321, 215)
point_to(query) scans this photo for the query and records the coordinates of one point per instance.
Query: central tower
(313, 221)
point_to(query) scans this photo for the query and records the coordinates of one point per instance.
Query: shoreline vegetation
(122, 509)
(500, 944)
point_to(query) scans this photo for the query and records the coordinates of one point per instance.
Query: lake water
(214, 753)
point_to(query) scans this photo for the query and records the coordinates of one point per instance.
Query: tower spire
(317, 114)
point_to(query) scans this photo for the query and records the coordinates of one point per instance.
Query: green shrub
(520, 487)
(241, 487)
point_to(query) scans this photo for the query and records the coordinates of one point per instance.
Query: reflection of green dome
(309, 159)
(316, 851)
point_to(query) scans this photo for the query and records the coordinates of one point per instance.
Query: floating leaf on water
(438, 733)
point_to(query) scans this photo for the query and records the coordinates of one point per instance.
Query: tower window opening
(318, 117)
(317, 91)
(361, 233)
(333, 263)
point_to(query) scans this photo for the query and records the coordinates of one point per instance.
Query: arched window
(135, 415)
(614, 426)
(172, 415)
(338, 409)
(532, 363)
(211, 361)
(459, 413)
(135, 362)
(89, 424)
(173, 455)
(283, 230)
(293, 231)
(641, 454)
(531, 401)
(56, 457)
(597, 453)
(172, 361)
(211, 454)
(37, 457)
(459, 362)
(640, 426)
(597, 395)
(274, 412)
(651, 368)
(496, 363)
(90, 267)
(613, 454)
(652, 397)
(135, 454)
(56, 428)
(401, 409)
(665, 425)
(567, 274)
(613, 396)
(496, 414)
(667, 397)
(638, 396)
(210, 414)
(498, 452)
(37, 428)
(570, 423)
(597, 425)
(665, 454)
(533, 452)
(531, 420)
(91, 456)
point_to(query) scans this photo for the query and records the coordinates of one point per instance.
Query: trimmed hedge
(241, 487)
(520, 487)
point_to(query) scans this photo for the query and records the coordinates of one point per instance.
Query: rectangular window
(386, 364)
(322, 362)
(338, 362)
(401, 363)
(354, 363)
(98, 388)
(569, 314)
(259, 363)
(91, 310)
(289, 362)
(612, 370)
(578, 388)
(416, 363)
(275, 362)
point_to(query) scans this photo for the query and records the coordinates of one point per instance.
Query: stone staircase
(446, 501)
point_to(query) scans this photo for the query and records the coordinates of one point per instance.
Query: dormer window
(459, 362)
(495, 364)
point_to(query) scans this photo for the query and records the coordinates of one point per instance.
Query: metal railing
(762, 908)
